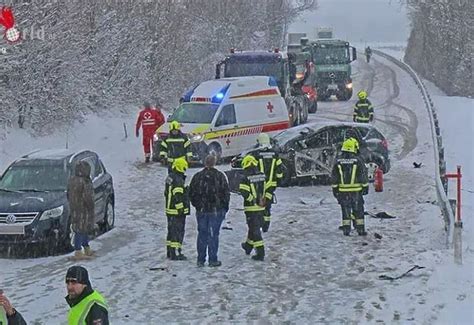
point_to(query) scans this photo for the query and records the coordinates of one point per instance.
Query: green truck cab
(331, 58)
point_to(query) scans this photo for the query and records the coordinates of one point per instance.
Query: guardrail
(440, 172)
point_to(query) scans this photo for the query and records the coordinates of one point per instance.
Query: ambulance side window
(227, 116)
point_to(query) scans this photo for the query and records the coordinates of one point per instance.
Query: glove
(335, 192)
(265, 226)
(365, 191)
(371, 118)
(263, 202)
(137, 134)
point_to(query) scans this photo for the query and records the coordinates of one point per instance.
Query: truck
(294, 42)
(275, 64)
(331, 59)
(323, 32)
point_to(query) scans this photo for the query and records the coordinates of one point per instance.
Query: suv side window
(227, 116)
(91, 161)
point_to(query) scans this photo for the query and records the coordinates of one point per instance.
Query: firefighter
(177, 208)
(175, 145)
(252, 188)
(363, 109)
(149, 120)
(270, 164)
(349, 184)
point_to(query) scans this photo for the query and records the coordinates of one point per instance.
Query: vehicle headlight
(197, 138)
(52, 213)
(156, 137)
(349, 85)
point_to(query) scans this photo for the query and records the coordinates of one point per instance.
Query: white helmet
(263, 140)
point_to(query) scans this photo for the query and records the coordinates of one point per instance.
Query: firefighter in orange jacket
(149, 120)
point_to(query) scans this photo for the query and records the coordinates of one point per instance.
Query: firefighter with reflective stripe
(363, 109)
(349, 184)
(271, 165)
(252, 188)
(175, 145)
(149, 120)
(176, 208)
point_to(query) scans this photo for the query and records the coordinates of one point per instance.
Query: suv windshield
(243, 69)
(194, 113)
(47, 177)
(331, 55)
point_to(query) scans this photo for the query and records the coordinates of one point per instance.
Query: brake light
(385, 143)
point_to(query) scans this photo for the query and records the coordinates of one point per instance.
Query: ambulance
(224, 116)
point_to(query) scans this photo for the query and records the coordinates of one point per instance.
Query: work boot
(147, 159)
(260, 254)
(215, 263)
(346, 231)
(200, 264)
(88, 251)
(247, 248)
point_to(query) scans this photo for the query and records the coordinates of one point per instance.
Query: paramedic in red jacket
(150, 120)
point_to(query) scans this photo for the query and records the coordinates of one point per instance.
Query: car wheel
(371, 168)
(67, 240)
(215, 150)
(109, 216)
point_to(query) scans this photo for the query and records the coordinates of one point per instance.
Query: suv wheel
(109, 216)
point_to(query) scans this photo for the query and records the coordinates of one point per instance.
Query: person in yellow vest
(8, 314)
(88, 307)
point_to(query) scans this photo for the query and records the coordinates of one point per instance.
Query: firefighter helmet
(263, 140)
(180, 164)
(175, 125)
(362, 94)
(350, 145)
(249, 161)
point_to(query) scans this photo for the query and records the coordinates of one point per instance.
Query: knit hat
(79, 274)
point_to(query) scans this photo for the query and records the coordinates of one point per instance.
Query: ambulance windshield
(200, 113)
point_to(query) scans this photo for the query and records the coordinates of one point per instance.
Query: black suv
(33, 202)
(308, 151)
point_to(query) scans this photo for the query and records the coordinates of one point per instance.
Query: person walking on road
(349, 183)
(209, 194)
(149, 119)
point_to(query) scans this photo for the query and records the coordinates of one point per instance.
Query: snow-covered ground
(312, 274)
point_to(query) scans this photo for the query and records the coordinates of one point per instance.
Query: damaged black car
(308, 151)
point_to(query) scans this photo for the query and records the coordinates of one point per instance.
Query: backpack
(208, 183)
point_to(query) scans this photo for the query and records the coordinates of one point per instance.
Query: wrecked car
(308, 151)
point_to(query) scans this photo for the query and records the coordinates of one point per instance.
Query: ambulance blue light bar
(217, 98)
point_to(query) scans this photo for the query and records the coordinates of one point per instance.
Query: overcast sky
(358, 20)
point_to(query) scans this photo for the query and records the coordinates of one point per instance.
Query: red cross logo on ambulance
(270, 108)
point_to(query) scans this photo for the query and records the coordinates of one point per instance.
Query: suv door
(100, 184)
(316, 155)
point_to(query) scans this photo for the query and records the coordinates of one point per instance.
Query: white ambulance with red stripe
(225, 116)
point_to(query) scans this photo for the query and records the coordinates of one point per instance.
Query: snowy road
(312, 274)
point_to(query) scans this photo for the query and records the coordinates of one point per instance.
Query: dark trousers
(352, 206)
(176, 225)
(209, 225)
(254, 223)
(80, 240)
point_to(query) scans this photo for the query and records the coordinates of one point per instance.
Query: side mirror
(218, 71)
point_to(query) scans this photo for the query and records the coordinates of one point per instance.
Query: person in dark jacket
(88, 306)
(176, 209)
(252, 189)
(349, 184)
(271, 165)
(363, 109)
(80, 194)
(175, 145)
(8, 314)
(209, 194)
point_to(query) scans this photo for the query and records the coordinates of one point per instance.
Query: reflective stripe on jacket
(176, 196)
(252, 188)
(349, 174)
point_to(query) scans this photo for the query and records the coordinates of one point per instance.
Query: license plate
(332, 87)
(12, 230)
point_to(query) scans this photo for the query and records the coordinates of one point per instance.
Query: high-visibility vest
(78, 313)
